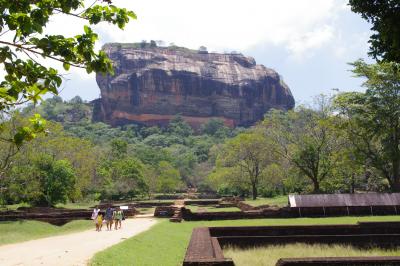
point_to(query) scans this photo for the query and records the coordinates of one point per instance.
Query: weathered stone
(152, 85)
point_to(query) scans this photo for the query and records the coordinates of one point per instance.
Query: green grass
(13, 207)
(165, 243)
(146, 210)
(268, 256)
(154, 200)
(278, 200)
(78, 205)
(69, 205)
(13, 232)
(195, 208)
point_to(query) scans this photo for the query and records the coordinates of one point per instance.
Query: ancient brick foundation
(206, 242)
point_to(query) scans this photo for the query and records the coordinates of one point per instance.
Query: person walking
(118, 216)
(109, 217)
(95, 213)
(99, 221)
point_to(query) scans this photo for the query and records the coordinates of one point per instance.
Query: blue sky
(308, 42)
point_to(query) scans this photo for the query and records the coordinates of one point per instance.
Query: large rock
(151, 85)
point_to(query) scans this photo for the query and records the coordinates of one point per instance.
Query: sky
(308, 42)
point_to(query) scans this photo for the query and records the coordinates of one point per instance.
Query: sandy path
(71, 249)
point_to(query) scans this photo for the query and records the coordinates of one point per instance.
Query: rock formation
(153, 84)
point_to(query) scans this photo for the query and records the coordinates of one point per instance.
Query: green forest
(347, 142)
(51, 152)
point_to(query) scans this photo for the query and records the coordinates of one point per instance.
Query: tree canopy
(24, 44)
(372, 119)
(385, 17)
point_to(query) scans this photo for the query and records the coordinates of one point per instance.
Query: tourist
(109, 217)
(118, 216)
(95, 213)
(99, 221)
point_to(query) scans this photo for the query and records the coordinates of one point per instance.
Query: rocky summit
(151, 85)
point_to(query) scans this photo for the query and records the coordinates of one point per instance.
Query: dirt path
(72, 249)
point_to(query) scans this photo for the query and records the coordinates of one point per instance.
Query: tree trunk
(316, 186)
(396, 176)
(254, 191)
(352, 184)
(396, 184)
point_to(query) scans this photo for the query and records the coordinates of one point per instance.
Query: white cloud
(301, 29)
(304, 44)
(225, 24)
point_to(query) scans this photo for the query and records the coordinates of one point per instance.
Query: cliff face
(152, 85)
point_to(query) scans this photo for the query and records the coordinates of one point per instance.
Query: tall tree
(43, 181)
(385, 17)
(14, 130)
(169, 178)
(23, 41)
(372, 119)
(249, 153)
(306, 139)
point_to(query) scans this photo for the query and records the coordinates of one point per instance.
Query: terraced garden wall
(205, 247)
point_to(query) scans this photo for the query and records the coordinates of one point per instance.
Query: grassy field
(78, 205)
(165, 243)
(13, 232)
(13, 207)
(268, 256)
(195, 208)
(149, 210)
(279, 201)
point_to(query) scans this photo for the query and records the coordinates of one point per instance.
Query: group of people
(109, 217)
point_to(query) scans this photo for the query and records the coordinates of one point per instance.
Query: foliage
(168, 178)
(121, 175)
(306, 139)
(25, 42)
(13, 132)
(372, 119)
(43, 181)
(385, 17)
(25, 22)
(249, 154)
(178, 127)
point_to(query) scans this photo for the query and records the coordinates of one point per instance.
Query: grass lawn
(268, 256)
(13, 207)
(78, 205)
(18, 231)
(278, 200)
(146, 210)
(69, 205)
(195, 208)
(165, 243)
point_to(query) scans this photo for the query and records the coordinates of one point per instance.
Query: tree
(14, 130)
(306, 139)
(249, 153)
(119, 148)
(122, 178)
(372, 119)
(59, 146)
(385, 17)
(212, 126)
(177, 126)
(53, 180)
(202, 49)
(23, 42)
(169, 178)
